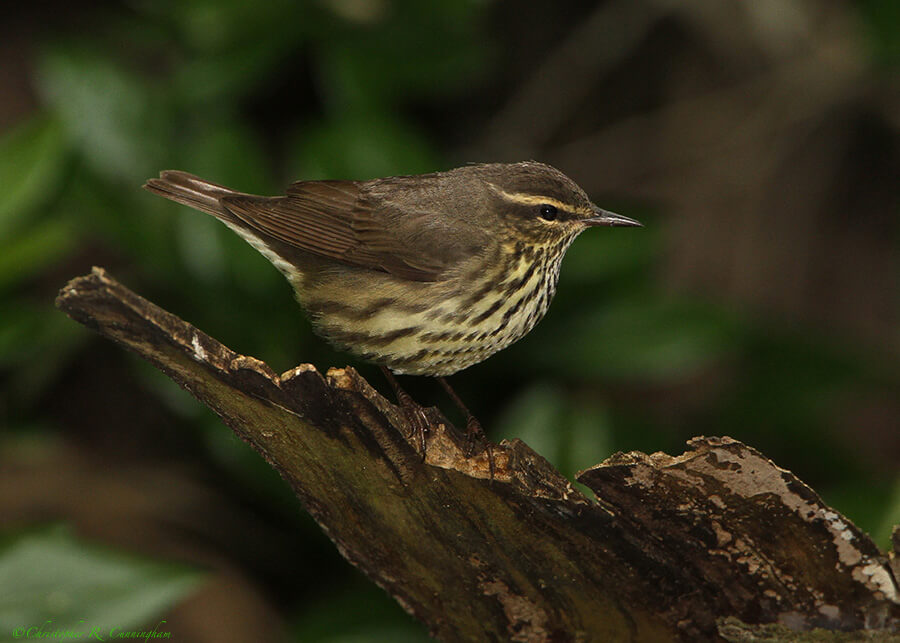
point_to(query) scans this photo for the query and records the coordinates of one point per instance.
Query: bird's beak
(607, 218)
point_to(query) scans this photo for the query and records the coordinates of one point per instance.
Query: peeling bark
(713, 544)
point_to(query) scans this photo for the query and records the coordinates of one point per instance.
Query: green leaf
(356, 613)
(33, 250)
(116, 122)
(226, 151)
(571, 433)
(405, 56)
(605, 254)
(230, 47)
(221, 25)
(879, 26)
(221, 76)
(536, 417)
(361, 146)
(52, 576)
(590, 437)
(868, 501)
(30, 328)
(31, 160)
(889, 518)
(636, 339)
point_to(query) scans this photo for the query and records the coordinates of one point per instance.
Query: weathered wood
(701, 546)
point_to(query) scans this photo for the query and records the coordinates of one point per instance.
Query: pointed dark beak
(607, 218)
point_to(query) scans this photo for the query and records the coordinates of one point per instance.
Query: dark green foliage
(254, 95)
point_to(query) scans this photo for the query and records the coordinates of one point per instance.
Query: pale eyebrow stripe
(537, 199)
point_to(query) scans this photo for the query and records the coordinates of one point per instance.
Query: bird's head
(540, 205)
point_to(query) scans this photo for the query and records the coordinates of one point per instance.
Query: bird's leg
(411, 409)
(474, 429)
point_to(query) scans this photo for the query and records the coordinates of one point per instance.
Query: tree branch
(703, 546)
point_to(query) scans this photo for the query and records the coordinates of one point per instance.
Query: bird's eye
(549, 212)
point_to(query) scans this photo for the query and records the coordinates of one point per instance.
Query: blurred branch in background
(758, 140)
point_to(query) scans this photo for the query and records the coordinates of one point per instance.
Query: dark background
(758, 142)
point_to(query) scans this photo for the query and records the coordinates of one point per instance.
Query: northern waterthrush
(425, 274)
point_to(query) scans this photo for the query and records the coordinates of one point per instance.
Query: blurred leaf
(651, 339)
(536, 416)
(217, 25)
(607, 253)
(793, 380)
(226, 48)
(51, 576)
(867, 503)
(36, 340)
(207, 79)
(31, 161)
(404, 54)
(363, 146)
(359, 11)
(31, 251)
(123, 221)
(591, 437)
(18, 323)
(117, 123)
(889, 519)
(571, 433)
(358, 613)
(200, 247)
(880, 22)
(226, 151)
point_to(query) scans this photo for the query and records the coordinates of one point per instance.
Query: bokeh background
(758, 141)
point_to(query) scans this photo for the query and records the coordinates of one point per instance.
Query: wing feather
(334, 219)
(395, 224)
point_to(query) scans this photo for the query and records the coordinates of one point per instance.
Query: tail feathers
(192, 191)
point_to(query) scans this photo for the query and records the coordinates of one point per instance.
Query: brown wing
(335, 219)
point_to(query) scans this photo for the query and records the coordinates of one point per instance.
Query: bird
(421, 274)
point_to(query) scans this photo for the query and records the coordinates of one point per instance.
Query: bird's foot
(412, 411)
(475, 434)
